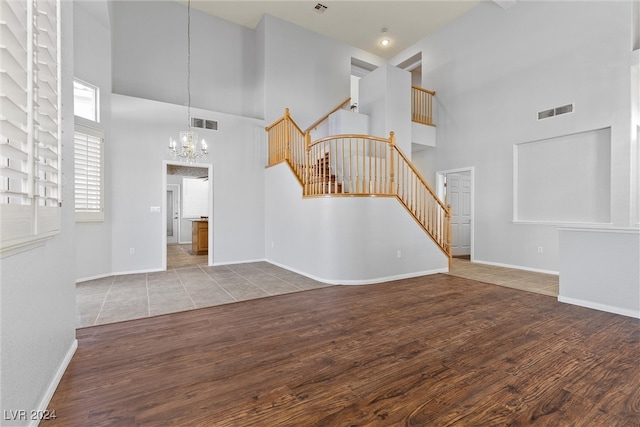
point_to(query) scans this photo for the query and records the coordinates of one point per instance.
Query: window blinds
(88, 173)
(29, 121)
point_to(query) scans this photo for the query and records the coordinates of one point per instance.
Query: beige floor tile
(244, 291)
(172, 306)
(124, 309)
(545, 284)
(276, 286)
(210, 297)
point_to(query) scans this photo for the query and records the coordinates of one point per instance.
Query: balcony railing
(422, 105)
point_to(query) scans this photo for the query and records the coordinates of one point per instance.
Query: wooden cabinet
(199, 237)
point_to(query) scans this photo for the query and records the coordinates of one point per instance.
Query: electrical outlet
(399, 254)
(132, 251)
(540, 249)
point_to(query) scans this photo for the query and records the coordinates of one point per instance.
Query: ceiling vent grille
(320, 8)
(564, 109)
(204, 123)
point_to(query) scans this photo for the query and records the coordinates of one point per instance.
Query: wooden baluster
(392, 142)
(342, 167)
(287, 118)
(307, 171)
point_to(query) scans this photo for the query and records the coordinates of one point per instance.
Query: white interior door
(173, 213)
(458, 197)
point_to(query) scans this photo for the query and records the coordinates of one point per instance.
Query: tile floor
(540, 283)
(189, 283)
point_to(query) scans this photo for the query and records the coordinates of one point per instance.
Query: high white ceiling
(356, 22)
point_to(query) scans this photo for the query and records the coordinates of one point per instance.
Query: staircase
(322, 179)
(359, 165)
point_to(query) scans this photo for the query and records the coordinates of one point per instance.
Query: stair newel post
(307, 169)
(392, 143)
(287, 135)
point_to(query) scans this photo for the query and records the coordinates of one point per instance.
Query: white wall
(92, 63)
(37, 287)
(385, 95)
(150, 58)
(308, 73)
(493, 69)
(346, 240)
(599, 269)
(140, 135)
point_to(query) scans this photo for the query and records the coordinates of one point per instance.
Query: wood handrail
(422, 105)
(424, 182)
(285, 116)
(326, 116)
(430, 92)
(350, 135)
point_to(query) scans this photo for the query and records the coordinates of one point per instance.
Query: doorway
(177, 229)
(414, 66)
(455, 187)
(173, 214)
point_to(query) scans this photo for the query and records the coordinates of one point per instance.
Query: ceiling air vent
(204, 124)
(564, 109)
(320, 8)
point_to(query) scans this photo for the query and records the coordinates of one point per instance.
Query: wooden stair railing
(422, 105)
(321, 180)
(326, 116)
(287, 143)
(359, 165)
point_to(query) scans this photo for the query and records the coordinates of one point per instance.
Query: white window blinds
(88, 155)
(29, 121)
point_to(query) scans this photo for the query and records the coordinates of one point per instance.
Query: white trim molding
(53, 385)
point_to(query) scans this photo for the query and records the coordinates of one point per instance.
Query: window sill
(25, 245)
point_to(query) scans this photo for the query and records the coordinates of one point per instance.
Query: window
(88, 162)
(86, 101)
(29, 123)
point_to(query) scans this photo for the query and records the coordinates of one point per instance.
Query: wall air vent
(204, 123)
(320, 8)
(546, 114)
(564, 109)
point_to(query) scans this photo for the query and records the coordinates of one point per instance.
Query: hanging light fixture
(187, 146)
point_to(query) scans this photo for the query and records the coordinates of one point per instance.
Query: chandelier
(186, 149)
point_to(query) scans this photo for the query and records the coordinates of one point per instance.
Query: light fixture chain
(189, 64)
(188, 149)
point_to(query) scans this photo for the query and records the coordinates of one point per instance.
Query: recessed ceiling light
(385, 41)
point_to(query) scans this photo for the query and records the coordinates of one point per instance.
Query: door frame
(440, 191)
(163, 208)
(176, 189)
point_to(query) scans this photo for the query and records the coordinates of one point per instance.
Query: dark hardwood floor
(430, 351)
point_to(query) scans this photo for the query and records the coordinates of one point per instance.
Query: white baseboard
(516, 267)
(156, 270)
(361, 282)
(246, 261)
(150, 270)
(601, 307)
(53, 385)
(99, 276)
(120, 273)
